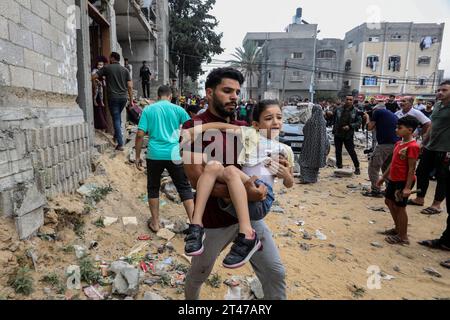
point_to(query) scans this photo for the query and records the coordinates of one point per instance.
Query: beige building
(393, 58)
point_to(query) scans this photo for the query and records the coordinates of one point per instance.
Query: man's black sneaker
(358, 171)
(194, 240)
(241, 251)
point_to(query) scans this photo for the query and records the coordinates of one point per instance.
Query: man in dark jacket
(145, 75)
(346, 122)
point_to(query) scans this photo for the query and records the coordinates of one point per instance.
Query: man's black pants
(349, 146)
(445, 239)
(429, 161)
(146, 89)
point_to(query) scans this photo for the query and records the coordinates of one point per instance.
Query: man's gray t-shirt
(117, 78)
(440, 129)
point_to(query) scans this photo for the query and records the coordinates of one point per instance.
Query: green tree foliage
(193, 40)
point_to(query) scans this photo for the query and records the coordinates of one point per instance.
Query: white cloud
(335, 18)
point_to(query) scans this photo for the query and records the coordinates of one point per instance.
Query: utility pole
(284, 81)
(313, 74)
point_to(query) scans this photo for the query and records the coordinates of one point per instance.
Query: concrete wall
(44, 140)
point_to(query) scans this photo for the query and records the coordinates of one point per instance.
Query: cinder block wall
(44, 140)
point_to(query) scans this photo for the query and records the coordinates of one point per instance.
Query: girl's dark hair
(261, 106)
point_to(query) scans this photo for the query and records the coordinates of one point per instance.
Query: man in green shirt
(437, 148)
(162, 122)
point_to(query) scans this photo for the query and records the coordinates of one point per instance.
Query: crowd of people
(234, 183)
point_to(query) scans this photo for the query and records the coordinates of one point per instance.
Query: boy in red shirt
(400, 177)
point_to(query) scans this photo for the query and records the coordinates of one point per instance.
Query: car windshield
(296, 115)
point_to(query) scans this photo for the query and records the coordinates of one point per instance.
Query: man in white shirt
(407, 110)
(420, 106)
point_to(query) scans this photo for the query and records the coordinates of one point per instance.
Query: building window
(326, 54)
(422, 82)
(350, 44)
(396, 37)
(393, 81)
(373, 62)
(297, 76)
(394, 63)
(370, 81)
(348, 65)
(427, 42)
(374, 39)
(424, 61)
(347, 84)
(297, 55)
(325, 76)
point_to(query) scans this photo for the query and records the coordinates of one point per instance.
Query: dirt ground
(335, 268)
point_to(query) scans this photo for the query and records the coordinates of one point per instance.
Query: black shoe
(194, 240)
(358, 171)
(241, 251)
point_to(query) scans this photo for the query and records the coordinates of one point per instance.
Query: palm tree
(247, 60)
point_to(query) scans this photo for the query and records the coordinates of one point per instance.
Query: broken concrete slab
(87, 189)
(32, 200)
(29, 224)
(129, 221)
(108, 221)
(126, 281)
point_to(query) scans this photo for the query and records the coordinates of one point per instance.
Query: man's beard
(220, 108)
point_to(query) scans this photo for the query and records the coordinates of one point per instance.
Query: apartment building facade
(288, 61)
(393, 58)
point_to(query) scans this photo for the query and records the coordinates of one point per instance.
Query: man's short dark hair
(144, 62)
(445, 83)
(116, 56)
(217, 75)
(126, 59)
(392, 96)
(409, 122)
(164, 91)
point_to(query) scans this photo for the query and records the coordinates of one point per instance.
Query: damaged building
(47, 50)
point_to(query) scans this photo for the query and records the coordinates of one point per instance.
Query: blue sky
(335, 18)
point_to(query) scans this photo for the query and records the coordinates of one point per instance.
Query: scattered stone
(80, 251)
(87, 189)
(347, 218)
(170, 246)
(348, 251)
(432, 272)
(33, 256)
(396, 268)
(256, 288)
(377, 209)
(307, 236)
(331, 162)
(47, 291)
(126, 281)
(179, 226)
(129, 221)
(300, 223)
(320, 235)
(165, 234)
(73, 277)
(343, 173)
(277, 209)
(108, 221)
(372, 222)
(305, 246)
(376, 245)
(152, 296)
